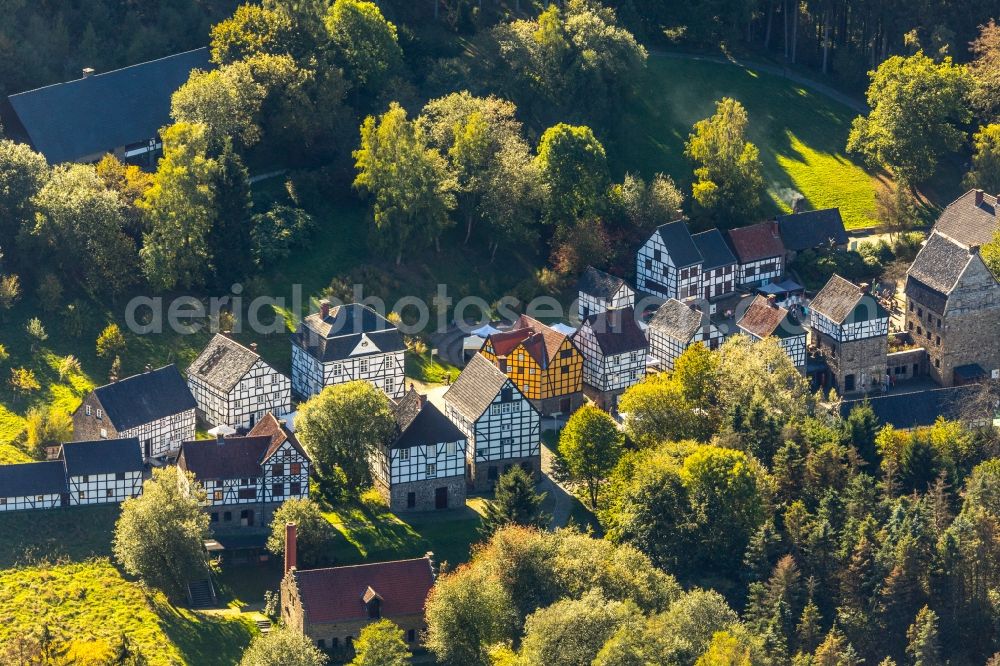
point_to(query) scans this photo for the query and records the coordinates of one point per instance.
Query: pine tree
(808, 630)
(924, 647)
(515, 503)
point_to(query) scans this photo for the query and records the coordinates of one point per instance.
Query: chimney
(774, 228)
(772, 300)
(979, 197)
(87, 71)
(253, 347)
(291, 546)
(691, 302)
(324, 309)
(220, 438)
(864, 286)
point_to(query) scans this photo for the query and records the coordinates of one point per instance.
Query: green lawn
(75, 533)
(429, 370)
(801, 134)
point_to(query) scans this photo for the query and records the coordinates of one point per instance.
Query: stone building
(501, 426)
(156, 407)
(423, 467)
(952, 298)
(675, 327)
(598, 291)
(331, 606)
(759, 252)
(765, 318)
(341, 344)
(614, 354)
(851, 329)
(103, 472)
(234, 386)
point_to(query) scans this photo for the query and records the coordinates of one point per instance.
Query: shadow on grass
(203, 639)
(73, 533)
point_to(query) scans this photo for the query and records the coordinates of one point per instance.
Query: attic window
(506, 394)
(373, 602)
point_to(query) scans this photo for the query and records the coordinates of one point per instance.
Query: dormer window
(373, 603)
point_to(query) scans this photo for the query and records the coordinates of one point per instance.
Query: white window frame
(404, 455)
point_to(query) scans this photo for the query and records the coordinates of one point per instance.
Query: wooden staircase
(201, 593)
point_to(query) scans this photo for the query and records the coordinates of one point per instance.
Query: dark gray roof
(230, 458)
(104, 456)
(677, 320)
(68, 121)
(917, 409)
(420, 423)
(812, 229)
(336, 336)
(476, 387)
(598, 283)
(30, 479)
(146, 397)
(940, 263)
(616, 331)
(714, 250)
(682, 250)
(840, 300)
(969, 223)
(223, 363)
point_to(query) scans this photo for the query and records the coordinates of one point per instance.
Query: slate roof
(337, 594)
(598, 283)
(145, 397)
(677, 320)
(336, 336)
(713, 249)
(232, 458)
(75, 119)
(420, 423)
(763, 319)
(939, 264)
(966, 222)
(838, 299)
(30, 479)
(812, 229)
(223, 363)
(758, 241)
(278, 431)
(104, 456)
(677, 239)
(915, 410)
(476, 387)
(541, 342)
(617, 331)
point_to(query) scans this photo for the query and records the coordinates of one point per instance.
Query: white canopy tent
(563, 328)
(484, 331)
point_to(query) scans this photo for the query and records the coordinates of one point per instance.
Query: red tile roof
(337, 594)
(270, 426)
(540, 341)
(758, 241)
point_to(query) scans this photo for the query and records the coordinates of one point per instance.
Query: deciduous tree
(985, 171)
(591, 443)
(381, 644)
(23, 172)
(282, 647)
(314, 533)
(575, 168)
(365, 43)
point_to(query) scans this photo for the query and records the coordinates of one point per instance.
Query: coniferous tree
(922, 636)
(515, 503)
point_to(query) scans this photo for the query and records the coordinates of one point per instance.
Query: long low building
(918, 409)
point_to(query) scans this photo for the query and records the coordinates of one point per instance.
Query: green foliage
(159, 535)
(729, 181)
(985, 171)
(35, 330)
(574, 166)
(22, 380)
(10, 291)
(365, 43)
(110, 342)
(46, 426)
(656, 411)
(341, 425)
(985, 70)
(590, 444)
(23, 173)
(253, 30)
(381, 644)
(282, 647)
(412, 187)
(922, 635)
(918, 107)
(515, 502)
(572, 631)
(277, 232)
(229, 238)
(314, 534)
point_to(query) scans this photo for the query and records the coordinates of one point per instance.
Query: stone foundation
(862, 359)
(481, 480)
(550, 406)
(424, 494)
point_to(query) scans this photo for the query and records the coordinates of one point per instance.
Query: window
(411, 500)
(217, 496)
(937, 363)
(565, 369)
(649, 264)
(432, 469)
(215, 516)
(911, 306)
(100, 414)
(920, 312)
(451, 448)
(109, 493)
(40, 498)
(909, 325)
(87, 410)
(507, 441)
(3, 501)
(278, 489)
(338, 369)
(258, 382)
(120, 476)
(694, 271)
(296, 469)
(296, 488)
(566, 353)
(684, 274)
(657, 255)
(937, 341)
(751, 270)
(633, 357)
(404, 454)
(227, 516)
(278, 469)
(104, 433)
(86, 478)
(506, 394)
(83, 494)
(363, 365)
(920, 330)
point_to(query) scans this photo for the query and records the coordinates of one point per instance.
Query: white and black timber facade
(341, 344)
(765, 318)
(501, 426)
(675, 327)
(614, 354)
(36, 485)
(422, 467)
(156, 407)
(234, 386)
(672, 263)
(598, 292)
(760, 253)
(246, 478)
(106, 471)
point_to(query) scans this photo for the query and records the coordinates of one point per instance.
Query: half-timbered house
(247, 478)
(760, 253)
(105, 471)
(851, 329)
(668, 264)
(156, 407)
(821, 230)
(36, 485)
(718, 267)
(422, 467)
(331, 606)
(234, 386)
(614, 354)
(544, 363)
(344, 343)
(675, 327)
(598, 291)
(501, 426)
(765, 318)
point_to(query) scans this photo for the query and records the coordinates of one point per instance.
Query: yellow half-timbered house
(546, 365)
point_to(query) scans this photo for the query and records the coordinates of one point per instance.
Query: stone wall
(906, 360)
(337, 638)
(550, 406)
(425, 494)
(481, 481)
(88, 428)
(860, 358)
